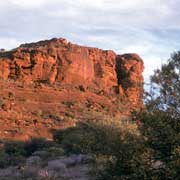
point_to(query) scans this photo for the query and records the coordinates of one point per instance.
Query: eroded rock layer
(92, 76)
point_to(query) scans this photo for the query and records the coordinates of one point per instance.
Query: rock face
(58, 62)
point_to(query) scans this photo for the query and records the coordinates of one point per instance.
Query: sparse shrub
(55, 151)
(69, 104)
(38, 113)
(56, 117)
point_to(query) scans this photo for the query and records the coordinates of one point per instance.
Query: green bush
(55, 151)
(117, 147)
(27, 148)
(15, 148)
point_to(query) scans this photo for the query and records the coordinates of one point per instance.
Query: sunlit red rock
(56, 76)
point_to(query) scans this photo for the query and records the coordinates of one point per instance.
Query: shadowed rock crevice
(129, 68)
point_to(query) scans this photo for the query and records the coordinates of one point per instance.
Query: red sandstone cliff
(103, 76)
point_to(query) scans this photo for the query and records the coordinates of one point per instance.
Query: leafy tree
(166, 83)
(161, 122)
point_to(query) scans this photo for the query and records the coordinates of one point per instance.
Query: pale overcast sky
(150, 28)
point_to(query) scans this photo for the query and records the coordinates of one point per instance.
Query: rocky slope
(51, 84)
